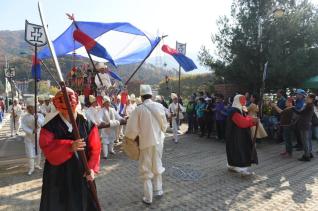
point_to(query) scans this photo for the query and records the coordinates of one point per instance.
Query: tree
(288, 43)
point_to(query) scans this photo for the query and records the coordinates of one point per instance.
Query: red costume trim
(56, 152)
(94, 148)
(242, 121)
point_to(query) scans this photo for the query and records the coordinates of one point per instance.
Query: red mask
(243, 100)
(59, 102)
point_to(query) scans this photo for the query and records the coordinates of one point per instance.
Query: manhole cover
(184, 173)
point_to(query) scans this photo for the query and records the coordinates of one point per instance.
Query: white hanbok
(150, 127)
(27, 124)
(173, 108)
(108, 135)
(92, 113)
(16, 112)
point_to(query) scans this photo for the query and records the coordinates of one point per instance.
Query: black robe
(240, 150)
(64, 187)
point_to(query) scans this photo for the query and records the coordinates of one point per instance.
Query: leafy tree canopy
(253, 35)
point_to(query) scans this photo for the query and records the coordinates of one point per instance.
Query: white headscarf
(236, 102)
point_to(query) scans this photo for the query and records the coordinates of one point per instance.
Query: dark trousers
(191, 122)
(306, 141)
(288, 137)
(201, 125)
(220, 128)
(209, 126)
(298, 138)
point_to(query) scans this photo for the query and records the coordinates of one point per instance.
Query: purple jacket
(220, 112)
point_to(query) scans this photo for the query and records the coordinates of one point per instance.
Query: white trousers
(14, 127)
(107, 148)
(175, 128)
(34, 160)
(151, 169)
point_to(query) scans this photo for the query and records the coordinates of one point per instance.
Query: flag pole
(179, 94)
(143, 61)
(49, 72)
(35, 99)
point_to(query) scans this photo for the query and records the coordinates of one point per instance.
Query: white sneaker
(30, 171)
(246, 173)
(38, 167)
(146, 201)
(158, 193)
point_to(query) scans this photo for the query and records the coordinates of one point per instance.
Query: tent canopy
(124, 42)
(311, 83)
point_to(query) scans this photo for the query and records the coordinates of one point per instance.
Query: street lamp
(277, 13)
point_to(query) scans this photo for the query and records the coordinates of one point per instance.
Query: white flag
(181, 47)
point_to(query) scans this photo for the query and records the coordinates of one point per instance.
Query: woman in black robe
(240, 149)
(64, 186)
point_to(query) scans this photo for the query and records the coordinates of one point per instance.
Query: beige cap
(106, 99)
(132, 97)
(91, 98)
(30, 102)
(100, 65)
(81, 99)
(138, 100)
(145, 89)
(47, 97)
(41, 97)
(173, 96)
(158, 98)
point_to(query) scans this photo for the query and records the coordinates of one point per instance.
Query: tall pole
(11, 84)
(35, 99)
(179, 94)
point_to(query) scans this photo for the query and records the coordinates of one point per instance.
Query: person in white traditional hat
(130, 105)
(108, 115)
(28, 126)
(48, 106)
(148, 122)
(104, 76)
(92, 112)
(173, 109)
(41, 105)
(16, 112)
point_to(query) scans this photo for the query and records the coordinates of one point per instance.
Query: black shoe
(297, 146)
(304, 158)
(299, 149)
(311, 155)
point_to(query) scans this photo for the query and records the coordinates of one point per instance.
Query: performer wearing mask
(27, 124)
(64, 182)
(16, 112)
(173, 108)
(108, 115)
(92, 112)
(239, 146)
(148, 121)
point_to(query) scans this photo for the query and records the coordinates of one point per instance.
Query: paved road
(196, 178)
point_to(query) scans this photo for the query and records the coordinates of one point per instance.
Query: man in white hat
(16, 112)
(28, 126)
(91, 113)
(104, 76)
(148, 121)
(130, 105)
(173, 109)
(108, 115)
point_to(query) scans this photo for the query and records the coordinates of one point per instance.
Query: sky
(186, 21)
